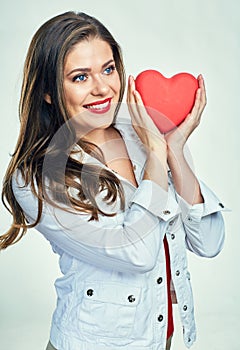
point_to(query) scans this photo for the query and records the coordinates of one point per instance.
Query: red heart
(168, 100)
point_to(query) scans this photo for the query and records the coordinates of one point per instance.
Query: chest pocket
(108, 309)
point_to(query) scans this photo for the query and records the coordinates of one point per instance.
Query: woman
(116, 199)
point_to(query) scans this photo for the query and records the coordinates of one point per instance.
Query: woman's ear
(47, 98)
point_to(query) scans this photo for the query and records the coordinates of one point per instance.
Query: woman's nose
(100, 87)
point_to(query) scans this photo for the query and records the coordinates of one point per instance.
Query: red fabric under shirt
(170, 328)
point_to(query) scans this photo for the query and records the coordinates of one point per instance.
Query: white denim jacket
(113, 288)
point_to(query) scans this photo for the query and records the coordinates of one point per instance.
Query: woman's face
(91, 85)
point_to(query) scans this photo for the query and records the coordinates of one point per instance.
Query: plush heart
(168, 100)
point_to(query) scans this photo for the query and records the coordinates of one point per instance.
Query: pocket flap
(114, 293)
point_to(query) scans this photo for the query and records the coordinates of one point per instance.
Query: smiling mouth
(99, 106)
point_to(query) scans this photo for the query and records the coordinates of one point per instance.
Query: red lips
(99, 107)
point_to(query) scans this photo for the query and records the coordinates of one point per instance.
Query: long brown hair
(40, 122)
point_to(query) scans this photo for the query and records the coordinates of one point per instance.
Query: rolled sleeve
(203, 223)
(156, 200)
(195, 212)
(211, 204)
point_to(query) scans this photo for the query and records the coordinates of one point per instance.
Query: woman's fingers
(134, 100)
(141, 121)
(197, 104)
(200, 101)
(183, 131)
(203, 97)
(145, 119)
(129, 92)
(138, 99)
(131, 99)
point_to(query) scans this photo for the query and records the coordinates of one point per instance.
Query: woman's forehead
(87, 53)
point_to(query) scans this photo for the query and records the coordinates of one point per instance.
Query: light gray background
(170, 36)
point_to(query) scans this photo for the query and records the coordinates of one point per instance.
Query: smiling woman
(95, 87)
(115, 198)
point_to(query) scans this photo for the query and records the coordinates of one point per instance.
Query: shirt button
(185, 308)
(166, 212)
(160, 318)
(177, 273)
(172, 235)
(90, 292)
(159, 280)
(221, 205)
(171, 222)
(134, 167)
(131, 298)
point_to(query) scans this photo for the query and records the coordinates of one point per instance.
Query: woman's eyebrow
(108, 62)
(89, 69)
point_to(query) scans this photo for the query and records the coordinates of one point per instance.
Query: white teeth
(100, 106)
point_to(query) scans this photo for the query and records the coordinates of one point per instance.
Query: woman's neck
(101, 136)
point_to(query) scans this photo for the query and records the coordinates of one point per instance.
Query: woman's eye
(109, 70)
(80, 77)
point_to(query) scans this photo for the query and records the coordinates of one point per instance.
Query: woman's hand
(147, 131)
(177, 138)
(185, 181)
(154, 142)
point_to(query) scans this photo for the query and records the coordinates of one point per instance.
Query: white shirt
(109, 297)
